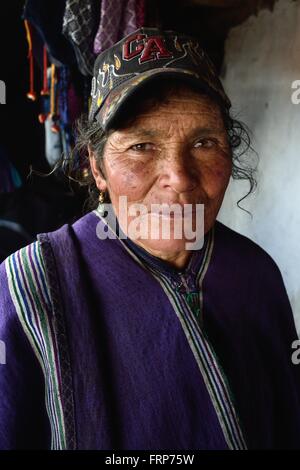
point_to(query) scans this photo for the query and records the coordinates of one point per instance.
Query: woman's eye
(205, 143)
(142, 147)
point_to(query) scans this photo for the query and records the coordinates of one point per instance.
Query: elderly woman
(120, 337)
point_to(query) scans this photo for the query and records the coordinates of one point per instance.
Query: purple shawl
(133, 367)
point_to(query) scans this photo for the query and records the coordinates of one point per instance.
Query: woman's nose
(177, 172)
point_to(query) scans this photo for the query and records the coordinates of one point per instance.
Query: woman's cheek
(132, 180)
(136, 165)
(216, 178)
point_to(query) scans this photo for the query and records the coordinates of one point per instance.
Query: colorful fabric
(131, 373)
(28, 287)
(47, 18)
(117, 20)
(108, 31)
(129, 19)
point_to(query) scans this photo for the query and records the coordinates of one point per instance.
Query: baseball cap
(146, 54)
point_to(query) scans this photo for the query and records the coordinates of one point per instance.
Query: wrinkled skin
(176, 152)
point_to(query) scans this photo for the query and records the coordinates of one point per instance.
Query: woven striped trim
(28, 289)
(206, 359)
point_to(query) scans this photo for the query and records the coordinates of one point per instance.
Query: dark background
(42, 203)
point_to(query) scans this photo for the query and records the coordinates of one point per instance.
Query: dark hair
(152, 94)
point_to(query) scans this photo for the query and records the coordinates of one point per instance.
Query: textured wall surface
(262, 59)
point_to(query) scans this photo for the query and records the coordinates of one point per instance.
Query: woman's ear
(97, 173)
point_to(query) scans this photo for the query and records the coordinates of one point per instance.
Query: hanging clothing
(47, 18)
(131, 360)
(129, 19)
(110, 17)
(140, 13)
(117, 20)
(53, 143)
(79, 26)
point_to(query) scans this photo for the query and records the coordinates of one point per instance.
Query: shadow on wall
(260, 69)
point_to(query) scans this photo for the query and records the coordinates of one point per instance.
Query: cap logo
(145, 48)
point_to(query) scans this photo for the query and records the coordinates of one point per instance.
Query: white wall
(262, 59)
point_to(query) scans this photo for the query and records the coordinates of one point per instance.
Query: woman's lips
(179, 212)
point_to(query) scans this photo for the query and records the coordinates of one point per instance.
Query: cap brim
(116, 100)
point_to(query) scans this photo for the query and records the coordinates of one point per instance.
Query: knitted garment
(79, 23)
(117, 19)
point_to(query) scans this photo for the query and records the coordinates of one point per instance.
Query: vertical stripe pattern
(28, 289)
(206, 359)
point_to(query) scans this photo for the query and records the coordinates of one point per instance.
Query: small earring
(101, 207)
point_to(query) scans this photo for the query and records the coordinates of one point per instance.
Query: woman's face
(175, 153)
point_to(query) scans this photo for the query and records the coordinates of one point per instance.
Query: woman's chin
(164, 247)
(165, 235)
